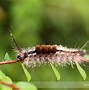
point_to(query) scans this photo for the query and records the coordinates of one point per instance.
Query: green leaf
(6, 79)
(28, 76)
(3, 87)
(1, 74)
(55, 71)
(7, 57)
(26, 86)
(85, 45)
(82, 72)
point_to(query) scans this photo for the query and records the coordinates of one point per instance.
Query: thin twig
(10, 62)
(9, 85)
(87, 60)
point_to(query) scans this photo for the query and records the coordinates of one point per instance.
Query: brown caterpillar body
(45, 49)
(48, 49)
(55, 54)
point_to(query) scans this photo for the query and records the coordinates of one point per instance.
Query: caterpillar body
(56, 54)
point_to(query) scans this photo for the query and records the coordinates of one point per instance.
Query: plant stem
(9, 62)
(9, 85)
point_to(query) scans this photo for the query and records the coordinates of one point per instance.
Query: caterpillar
(55, 54)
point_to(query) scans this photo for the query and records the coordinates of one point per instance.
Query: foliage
(26, 73)
(55, 71)
(21, 85)
(82, 72)
(7, 57)
(25, 86)
(34, 22)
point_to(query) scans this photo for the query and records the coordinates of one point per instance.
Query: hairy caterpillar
(55, 54)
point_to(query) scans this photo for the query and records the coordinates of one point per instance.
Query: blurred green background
(35, 22)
